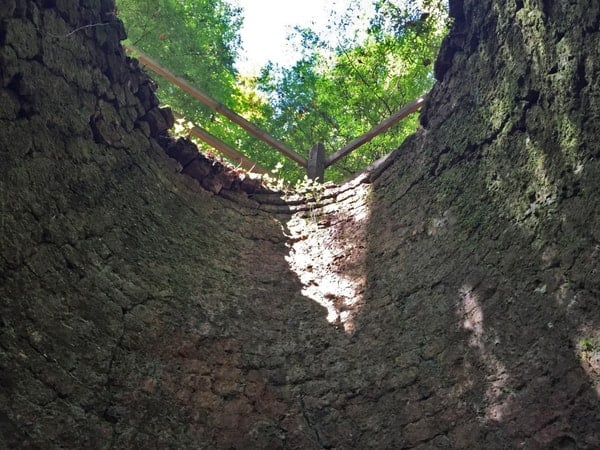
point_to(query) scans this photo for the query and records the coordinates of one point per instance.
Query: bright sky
(267, 24)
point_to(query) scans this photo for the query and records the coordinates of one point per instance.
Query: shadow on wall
(137, 310)
(503, 334)
(483, 259)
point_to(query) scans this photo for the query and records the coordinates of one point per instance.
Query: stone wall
(448, 301)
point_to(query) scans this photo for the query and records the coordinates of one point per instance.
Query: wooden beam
(220, 108)
(377, 129)
(226, 150)
(223, 148)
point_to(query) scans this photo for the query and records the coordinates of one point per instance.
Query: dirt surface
(150, 298)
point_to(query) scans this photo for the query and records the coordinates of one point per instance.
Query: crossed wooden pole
(317, 160)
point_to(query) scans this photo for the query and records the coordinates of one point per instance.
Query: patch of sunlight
(530, 192)
(541, 192)
(327, 252)
(470, 314)
(545, 190)
(566, 296)
(532, 25)
(568, 137)
(587, 347)
(438, 225)
(499, 112)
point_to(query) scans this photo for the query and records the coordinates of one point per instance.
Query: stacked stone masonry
(151, 298)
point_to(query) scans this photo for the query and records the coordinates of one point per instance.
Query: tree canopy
(197, 40)
(340, 88)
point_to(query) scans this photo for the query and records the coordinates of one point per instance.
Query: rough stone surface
(448, 301)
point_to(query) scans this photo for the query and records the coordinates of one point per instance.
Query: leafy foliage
(334, 93)
(196, 39)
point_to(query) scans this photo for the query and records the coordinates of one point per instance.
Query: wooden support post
(316, 162)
